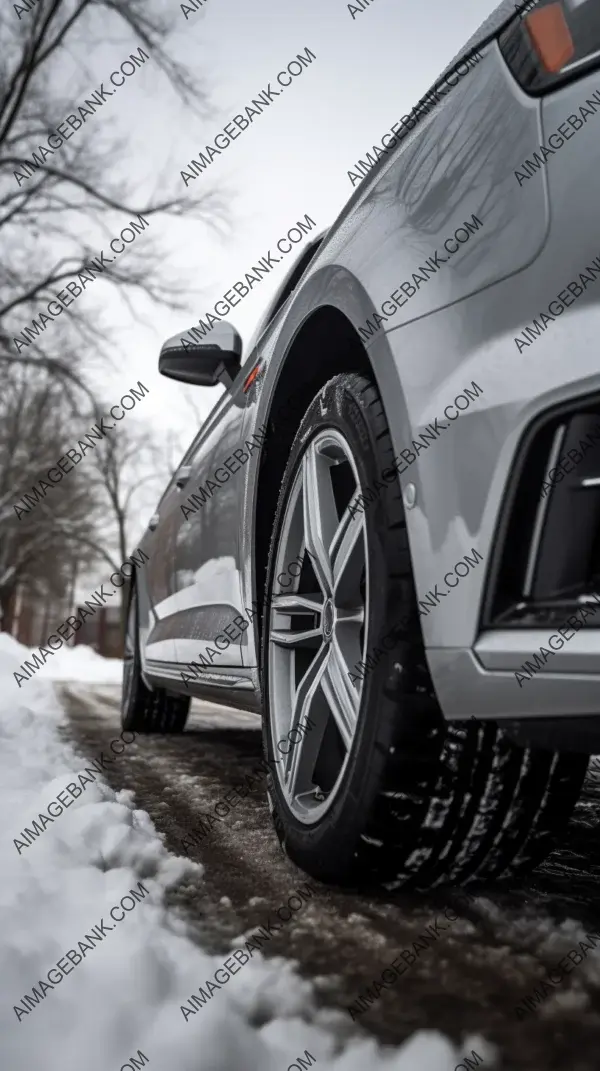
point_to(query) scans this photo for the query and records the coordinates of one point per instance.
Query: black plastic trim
(525, 471)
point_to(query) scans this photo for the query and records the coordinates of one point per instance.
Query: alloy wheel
(319, 627)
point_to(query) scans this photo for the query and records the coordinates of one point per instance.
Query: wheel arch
(326, 345)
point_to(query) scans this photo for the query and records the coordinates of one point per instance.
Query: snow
(82, 663)
(127, 993)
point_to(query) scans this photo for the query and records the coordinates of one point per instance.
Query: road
(467, 982)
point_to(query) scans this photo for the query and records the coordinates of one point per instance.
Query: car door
(207, 592)
(156, 586)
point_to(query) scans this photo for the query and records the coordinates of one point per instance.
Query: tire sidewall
(129, 703)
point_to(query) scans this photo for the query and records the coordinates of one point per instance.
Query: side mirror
(205, 363)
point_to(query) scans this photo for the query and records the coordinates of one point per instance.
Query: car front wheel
(369, 784)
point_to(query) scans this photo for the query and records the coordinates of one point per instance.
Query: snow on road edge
(81, 663)
(128, 990)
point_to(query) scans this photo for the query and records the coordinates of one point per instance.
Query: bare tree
(64, 195)
(126, 475)
(44, 533)
(50, 208)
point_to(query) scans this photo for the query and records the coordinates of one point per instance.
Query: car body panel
(157, 590)
(459, 329)
(561, 365)
(421, 364)
(206, 589)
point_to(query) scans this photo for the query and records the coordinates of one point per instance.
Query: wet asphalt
(470, 978)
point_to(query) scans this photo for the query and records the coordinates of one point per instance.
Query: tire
(414, 801)
(144, 710)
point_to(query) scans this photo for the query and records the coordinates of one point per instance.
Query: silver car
(385, 539)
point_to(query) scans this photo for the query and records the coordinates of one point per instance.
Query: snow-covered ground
(129, 988)
(81, 663)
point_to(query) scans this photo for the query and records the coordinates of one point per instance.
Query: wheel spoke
(287, 638)
(320, 514)
(297, 762)
(297, 604)
(340, 693)
(302, 758)
(355, 616)
(308, 686)
(293, 605)
(346, 545)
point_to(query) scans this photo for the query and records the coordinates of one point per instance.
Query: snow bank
(127, 991)
(82, 663)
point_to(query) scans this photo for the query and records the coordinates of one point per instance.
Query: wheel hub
(328, 620)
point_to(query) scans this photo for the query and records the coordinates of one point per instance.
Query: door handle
(183, 476)
(153, 522)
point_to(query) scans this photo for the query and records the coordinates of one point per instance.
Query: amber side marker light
(249, 380)
(551, 37)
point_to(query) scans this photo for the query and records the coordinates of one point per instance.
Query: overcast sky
(294, 159)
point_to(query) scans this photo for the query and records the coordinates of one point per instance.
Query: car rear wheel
(144, 710)
(369, 784)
